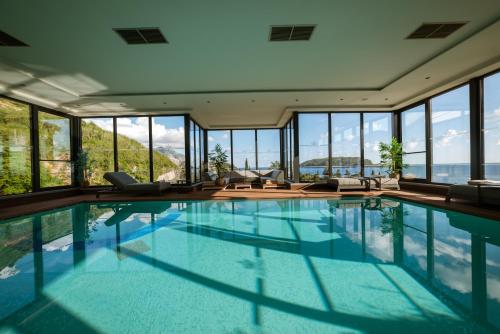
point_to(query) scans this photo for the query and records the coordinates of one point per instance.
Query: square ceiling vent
(291, 33)
(8, 40)
(141, 35)
(436, 30)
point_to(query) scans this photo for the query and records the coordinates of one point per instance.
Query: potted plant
(391, 156)
(82, 170)
(218, 161)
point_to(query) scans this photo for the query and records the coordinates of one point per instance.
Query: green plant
(391, 156)
(218, 160)
(275, 165)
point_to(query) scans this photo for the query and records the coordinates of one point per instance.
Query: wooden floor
(435, 200)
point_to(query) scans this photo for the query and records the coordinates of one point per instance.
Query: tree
(247, 167)
(275, 165)
(218, 160)
(391, 156)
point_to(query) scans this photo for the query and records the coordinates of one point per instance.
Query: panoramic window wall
(491, 129)
(346, 147)
(286, 148)
(168, 148)
(244, 150)
(15, 148)
(97, 142)
(291, 152)
(450, 117)
(313, 146)
(54, 150)
(268, 149)
(377, 128)
(133, 146)
(413, 138)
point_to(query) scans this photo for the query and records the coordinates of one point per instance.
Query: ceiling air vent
(8, 40)
(291, 33)
(436, 30)
(141, 35)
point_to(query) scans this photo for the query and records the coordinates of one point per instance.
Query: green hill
(339, 161)
(133, 157)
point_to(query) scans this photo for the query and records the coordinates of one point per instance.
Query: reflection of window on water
(493, 282)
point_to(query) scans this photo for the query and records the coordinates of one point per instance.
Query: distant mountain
(170, 152)
(338, 161)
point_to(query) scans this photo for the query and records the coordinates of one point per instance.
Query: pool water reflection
(279, 266)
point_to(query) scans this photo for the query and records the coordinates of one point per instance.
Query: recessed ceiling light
(208, 101)
(164, 102)
(253, 101)
(365, 99)
(341, 99)
(296, 100)
(386, 99)
(427, 78)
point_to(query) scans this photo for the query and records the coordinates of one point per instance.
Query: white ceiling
(219, 59)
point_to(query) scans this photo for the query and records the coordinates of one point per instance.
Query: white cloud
(210, 139)
(497, 112)
(138, 129)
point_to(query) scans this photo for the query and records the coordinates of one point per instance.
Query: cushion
(483, 182)
(346, 181)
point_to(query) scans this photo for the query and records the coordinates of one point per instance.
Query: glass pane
(15, 148)
(55, 173)
(291, 150)
(493, 283)
(192, 152)
(413, 135)
(377, 128)
(285, 151)
(168, 148)
(244, 150)
(268, 146)
(415, 168)
(451, 136)
(133, 146)
(201, 159)
(97, 141)
(492, 127)
(346, 148)
(54, 137)
(55, 152)
(223, 138)
(313, 146)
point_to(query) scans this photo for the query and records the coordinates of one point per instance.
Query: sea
(441, 173)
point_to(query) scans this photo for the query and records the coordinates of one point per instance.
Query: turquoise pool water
(269, 266)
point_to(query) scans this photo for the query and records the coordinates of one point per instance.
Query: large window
(168, 148)
(451, 136)
(192, 150)
(97, 142)
(377, 128)
(15, 148)
(201, 155)
(346, 150)
(313, 146)
(268, 149)
(223, 138)
(413, 136)
(244, 150)
(133, 146)
(492, 127)
(55, 150)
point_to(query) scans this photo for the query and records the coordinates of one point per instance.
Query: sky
(168, 131)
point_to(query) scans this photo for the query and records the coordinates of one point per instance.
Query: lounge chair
(479, 191)
(347, 183)
(124, 183)
(274, 176)
(388, 183)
